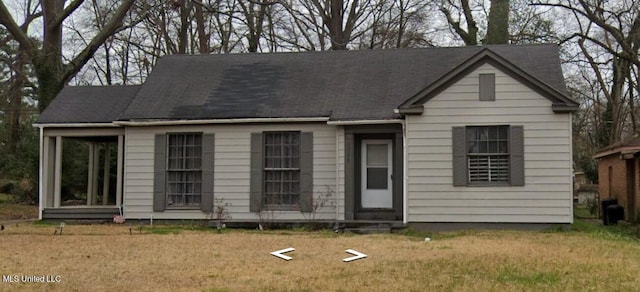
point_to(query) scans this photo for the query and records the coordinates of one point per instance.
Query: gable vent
(487, 87)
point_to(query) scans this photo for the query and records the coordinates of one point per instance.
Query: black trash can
(614, 213)
(603, 208)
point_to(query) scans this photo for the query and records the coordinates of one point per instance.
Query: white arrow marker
(357, 255)
(279, 253)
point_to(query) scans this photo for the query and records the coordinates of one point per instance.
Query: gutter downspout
(338, 172)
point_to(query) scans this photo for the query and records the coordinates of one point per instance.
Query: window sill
(489, 184)
(280, 208)
(186, 208)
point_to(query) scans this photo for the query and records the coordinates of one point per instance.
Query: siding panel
(231, 169)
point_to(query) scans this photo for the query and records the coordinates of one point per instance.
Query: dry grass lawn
(10, 210)
(107, 258)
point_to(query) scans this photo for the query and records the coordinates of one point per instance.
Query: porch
(85, 180)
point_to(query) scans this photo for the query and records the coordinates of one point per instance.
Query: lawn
(108, 258)
(10, 210)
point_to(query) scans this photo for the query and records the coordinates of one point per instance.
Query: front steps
(368, 227)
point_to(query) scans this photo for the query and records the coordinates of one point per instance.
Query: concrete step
(370, 229)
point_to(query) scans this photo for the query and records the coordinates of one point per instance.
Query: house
(434, 136)
(618, 175)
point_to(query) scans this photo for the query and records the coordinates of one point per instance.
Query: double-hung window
(184, 170)
(488, 154)
(281, 170)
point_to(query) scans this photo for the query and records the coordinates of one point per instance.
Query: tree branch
(65, 13)
(87, 53)
(18, 34)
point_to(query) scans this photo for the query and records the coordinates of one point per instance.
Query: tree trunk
(498, 26)
(203, 37)
(183, 34)
(621, 71)
(15, 100)
(338, 41)
(48, 63)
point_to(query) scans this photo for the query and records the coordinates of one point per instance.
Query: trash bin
(603, 208)
(614, 213)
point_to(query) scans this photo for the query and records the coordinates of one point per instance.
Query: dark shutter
(208, 150)
(306, 172)
(255, 185)
(516, 150)
(159, 165)
(349, 176)
(459, 156)
(487, 87)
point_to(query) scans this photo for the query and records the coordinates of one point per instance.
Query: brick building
(619, 175)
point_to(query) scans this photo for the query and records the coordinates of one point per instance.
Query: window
(184, 170)
(488, 154)
(281, 170)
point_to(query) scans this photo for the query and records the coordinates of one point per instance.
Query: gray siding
(231, 168)
(546, 194)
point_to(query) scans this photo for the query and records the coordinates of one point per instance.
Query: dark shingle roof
(629, 144)
(88, 104)
(344, 85)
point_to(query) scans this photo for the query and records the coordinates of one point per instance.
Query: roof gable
(560, 101)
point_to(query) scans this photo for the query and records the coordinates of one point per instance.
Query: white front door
(376, 169)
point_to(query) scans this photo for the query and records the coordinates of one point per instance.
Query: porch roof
(628, 146)
(88, 104)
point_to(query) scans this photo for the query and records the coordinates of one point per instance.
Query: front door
(376, 174)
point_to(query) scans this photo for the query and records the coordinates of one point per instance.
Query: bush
(7, 187)
(20, 167)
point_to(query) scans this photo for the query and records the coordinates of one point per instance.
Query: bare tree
(398, 24)
(460, 14)
(506, 21)
(340, 20)
(52, 72)
(608, 37)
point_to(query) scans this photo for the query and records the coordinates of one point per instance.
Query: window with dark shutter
(281, 169)
(488, 154)
(184, 170)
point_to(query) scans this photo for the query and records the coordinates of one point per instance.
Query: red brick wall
(616, 185)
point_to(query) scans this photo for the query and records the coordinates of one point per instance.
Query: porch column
(49, 168)
(119, 171)
(41, 172)
(95, 169)
(90, 173)
(106, 173)
(57, 184)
